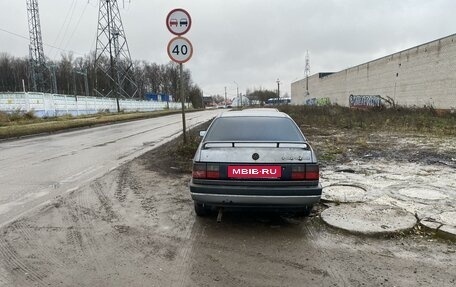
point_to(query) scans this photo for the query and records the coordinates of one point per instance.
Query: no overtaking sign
(178, 22)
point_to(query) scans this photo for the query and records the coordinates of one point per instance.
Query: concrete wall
(51, 105)
(419, 76)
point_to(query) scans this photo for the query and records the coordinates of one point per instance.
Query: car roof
(261, 110)
(254, 113)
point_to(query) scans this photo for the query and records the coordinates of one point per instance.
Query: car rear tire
(201, 209)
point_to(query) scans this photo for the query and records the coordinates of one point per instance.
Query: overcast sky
(250, 42)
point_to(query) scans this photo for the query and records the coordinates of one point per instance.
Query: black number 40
(182, 49)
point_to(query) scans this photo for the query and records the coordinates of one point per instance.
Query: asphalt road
(38, 169)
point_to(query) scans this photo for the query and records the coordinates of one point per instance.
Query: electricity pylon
(112, 55)
(39, 73)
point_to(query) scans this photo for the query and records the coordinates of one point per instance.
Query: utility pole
(278, 91)
(112, 45)
(86, 80)
(225, 95)
(307, 72)
(52, 68)
(237, 93)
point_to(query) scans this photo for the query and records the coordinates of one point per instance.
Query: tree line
(70, 77)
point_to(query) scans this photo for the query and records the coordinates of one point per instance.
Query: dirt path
(136, 227)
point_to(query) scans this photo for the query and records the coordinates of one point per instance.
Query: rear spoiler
(270, 144)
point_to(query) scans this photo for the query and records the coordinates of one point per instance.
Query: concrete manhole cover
(424, 193)
(344, 193)
(369, 219)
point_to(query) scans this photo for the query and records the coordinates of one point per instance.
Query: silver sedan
(254, 158)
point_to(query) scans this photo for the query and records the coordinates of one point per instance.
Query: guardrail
(51, 105)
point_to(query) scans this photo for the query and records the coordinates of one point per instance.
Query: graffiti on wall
(365, 101)
(318, 102)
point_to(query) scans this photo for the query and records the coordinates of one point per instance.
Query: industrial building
(424, 75)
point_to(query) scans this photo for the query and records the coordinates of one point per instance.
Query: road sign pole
(180, 50)
(181, 91)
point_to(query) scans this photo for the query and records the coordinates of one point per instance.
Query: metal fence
(51, 105)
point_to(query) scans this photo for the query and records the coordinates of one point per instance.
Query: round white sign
(180, 49)
(178, 21)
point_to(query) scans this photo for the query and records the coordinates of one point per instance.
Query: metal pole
(181, 91)
(278, 91)
(237, 93)
(225, 96)
(74, 83)
(86, 83)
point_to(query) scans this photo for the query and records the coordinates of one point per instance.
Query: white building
(424, 75)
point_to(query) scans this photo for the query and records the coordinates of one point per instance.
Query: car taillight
(213, 171)
(298, 172)
(206, 171)
(305, 172)
(199, 170)
(312, 172)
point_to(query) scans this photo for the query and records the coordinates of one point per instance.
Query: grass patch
(17, 125)
(422, 120)
(176, 157)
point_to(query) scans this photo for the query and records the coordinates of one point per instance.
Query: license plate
(257, 171)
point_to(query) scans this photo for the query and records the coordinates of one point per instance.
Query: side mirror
(202, 133)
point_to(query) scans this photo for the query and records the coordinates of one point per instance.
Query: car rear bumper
(255, 200)
(293, 196)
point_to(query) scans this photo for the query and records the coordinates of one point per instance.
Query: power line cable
(64, 24)
(77, 25)
(69, 23)
(48, 45)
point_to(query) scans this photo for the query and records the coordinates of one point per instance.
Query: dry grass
(423, 120)
(13, 126)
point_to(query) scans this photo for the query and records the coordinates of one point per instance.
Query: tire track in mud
(339, 275)
(92, 246)
(40, 251)
(16, 265)
(164, 232)
(171, 225)
(190, 236)
(4, 281)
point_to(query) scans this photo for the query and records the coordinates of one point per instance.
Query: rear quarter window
(254, 129)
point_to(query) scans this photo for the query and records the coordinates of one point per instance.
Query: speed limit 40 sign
(178, 22)
(180, 49)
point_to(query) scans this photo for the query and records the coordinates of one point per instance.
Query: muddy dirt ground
(136, 227)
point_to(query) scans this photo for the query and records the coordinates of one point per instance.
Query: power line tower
(112, 55)
(307, 72)
(38, 69)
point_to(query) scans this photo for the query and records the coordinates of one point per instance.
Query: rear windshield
(253, 129)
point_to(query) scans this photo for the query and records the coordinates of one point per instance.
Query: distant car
(254, 159)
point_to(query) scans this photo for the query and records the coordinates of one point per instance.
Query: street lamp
(237, 92)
